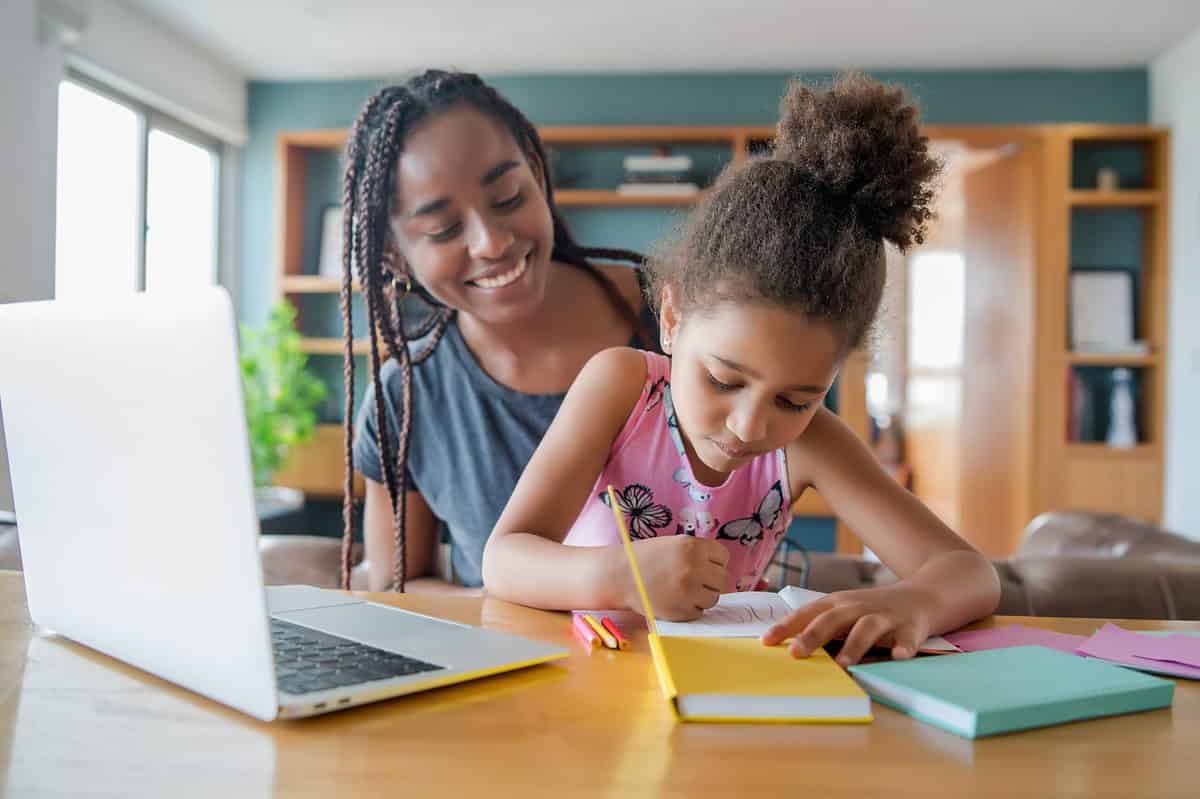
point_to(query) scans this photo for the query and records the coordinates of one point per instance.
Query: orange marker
(611, 626)
(604, 634)
(586, 635)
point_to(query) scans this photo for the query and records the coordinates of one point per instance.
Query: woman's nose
(490, 239)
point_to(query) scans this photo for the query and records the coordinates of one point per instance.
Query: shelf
(1088, 132)
(640, 134)
(1128, 198)
(333, 346)
(1076, 449)
(332, 139)
(607, 197)
(1114, 359)
(312, 284)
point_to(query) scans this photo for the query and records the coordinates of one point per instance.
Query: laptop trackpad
(444, 643)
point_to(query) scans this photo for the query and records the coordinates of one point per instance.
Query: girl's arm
(944, 581)
(525, 561)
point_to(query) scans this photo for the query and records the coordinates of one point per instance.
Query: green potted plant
(282, 398)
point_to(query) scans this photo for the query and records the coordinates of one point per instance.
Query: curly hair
(375, 144)
(805, 226)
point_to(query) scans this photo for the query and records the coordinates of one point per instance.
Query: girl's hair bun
(858, 143)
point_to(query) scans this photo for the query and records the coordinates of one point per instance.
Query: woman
(486, 304)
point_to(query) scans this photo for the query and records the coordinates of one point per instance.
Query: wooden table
(75, 722)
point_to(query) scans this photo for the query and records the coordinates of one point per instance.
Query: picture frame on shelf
(1102, 311)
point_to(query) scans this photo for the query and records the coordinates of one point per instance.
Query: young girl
(776, 277)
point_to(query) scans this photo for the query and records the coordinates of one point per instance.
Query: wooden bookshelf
(1090, 475)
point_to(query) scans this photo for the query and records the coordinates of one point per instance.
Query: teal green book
(1005, 690)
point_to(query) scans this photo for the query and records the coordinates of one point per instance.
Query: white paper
(749, 614)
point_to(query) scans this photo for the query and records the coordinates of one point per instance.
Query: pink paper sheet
(1183, 649)
(1118, 645)
(1014, 635)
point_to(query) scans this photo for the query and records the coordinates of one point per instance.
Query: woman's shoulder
(625, 278)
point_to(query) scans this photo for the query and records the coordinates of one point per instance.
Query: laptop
(130, 466)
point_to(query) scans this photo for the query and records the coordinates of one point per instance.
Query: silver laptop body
(131, 478)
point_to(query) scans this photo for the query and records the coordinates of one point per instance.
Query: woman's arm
(944, 581)
(421, 529)
(525, 560)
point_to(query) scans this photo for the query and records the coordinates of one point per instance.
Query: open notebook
(749, 614)
(712, 678)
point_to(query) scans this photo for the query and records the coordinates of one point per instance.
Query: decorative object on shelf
(1102, 311)
(1080, 413)
(330, 264)
(658, 174)
(1122, 431)
(281, 396)
(1107, 179)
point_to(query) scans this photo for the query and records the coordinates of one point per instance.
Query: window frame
(150, 119)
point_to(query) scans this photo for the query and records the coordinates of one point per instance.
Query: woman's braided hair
(374, 147)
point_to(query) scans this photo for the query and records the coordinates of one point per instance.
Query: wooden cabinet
(1121, 229)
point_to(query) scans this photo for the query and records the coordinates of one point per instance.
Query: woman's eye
(511, 202)
(445, 234)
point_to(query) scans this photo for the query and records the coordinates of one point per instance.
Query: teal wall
(946, 98)
(1014, 97)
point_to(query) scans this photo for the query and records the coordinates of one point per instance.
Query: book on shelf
(658, 189)
(657, 163)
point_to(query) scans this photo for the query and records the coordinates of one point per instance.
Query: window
(137, 203)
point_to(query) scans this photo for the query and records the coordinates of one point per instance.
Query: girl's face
(470, 218)
(746, 378)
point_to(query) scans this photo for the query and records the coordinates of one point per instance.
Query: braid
(374, 147)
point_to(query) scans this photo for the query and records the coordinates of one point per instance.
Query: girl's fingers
(795, 622)
(822, 630)
(908, 641)
(866, 633)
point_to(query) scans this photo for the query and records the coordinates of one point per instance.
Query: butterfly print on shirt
(749, 530)
(645, 518)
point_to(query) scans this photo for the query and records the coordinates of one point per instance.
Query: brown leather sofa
(1068, 564)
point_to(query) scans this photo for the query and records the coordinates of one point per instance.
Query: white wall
(1175, 101)
(134, 55)
(29, 110)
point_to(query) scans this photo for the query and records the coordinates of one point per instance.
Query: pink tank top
(648, 466)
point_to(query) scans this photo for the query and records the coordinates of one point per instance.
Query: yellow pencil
(604, 634)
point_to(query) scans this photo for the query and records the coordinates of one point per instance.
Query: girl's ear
(668, 318)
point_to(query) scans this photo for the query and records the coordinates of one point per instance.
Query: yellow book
(739, 679)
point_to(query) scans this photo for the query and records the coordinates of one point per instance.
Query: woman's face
(746, 379)
(470, 218)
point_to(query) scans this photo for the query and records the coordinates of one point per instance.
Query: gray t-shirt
(471, 438)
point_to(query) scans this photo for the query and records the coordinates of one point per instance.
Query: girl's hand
(895, 615)
(684, 575)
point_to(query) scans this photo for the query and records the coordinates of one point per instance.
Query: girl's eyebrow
(489, 177)
(746, 370)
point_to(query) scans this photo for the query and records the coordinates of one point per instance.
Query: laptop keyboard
(307, 660)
